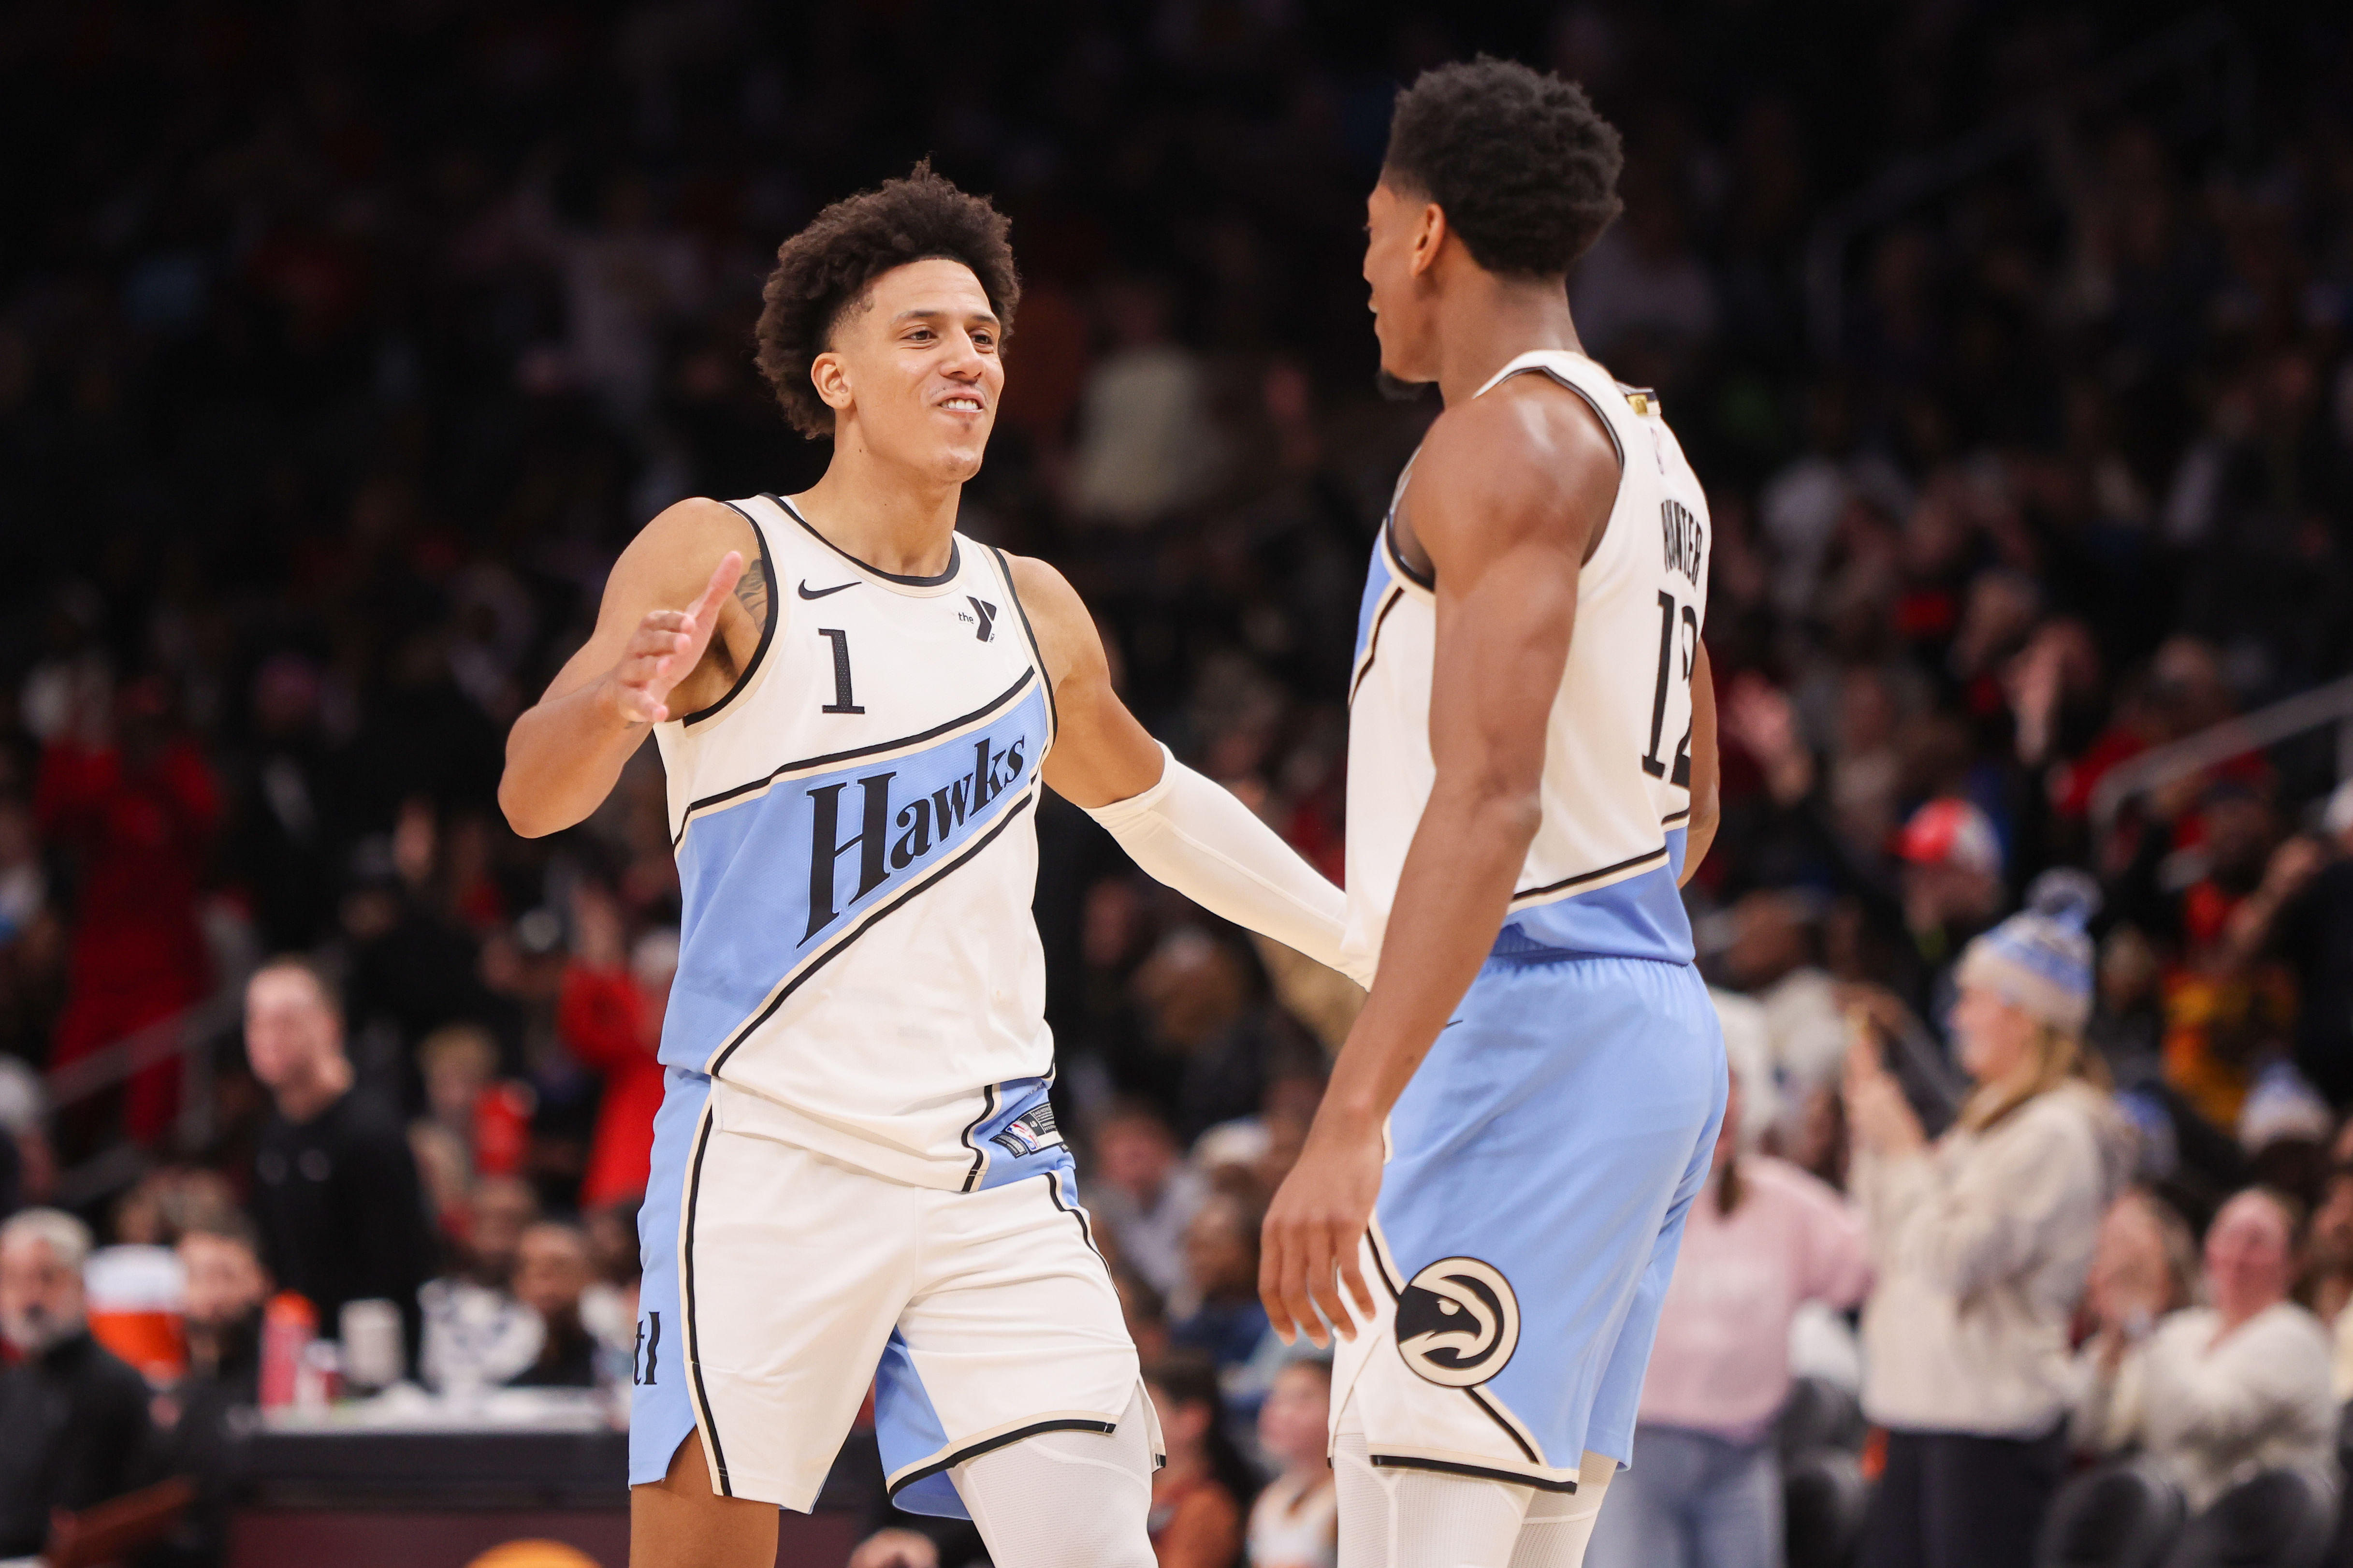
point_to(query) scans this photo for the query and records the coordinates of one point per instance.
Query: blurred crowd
(341, 350)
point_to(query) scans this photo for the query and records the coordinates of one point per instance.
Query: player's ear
(831, 376)
(1428, 237)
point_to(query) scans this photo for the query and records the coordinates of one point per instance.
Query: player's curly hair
(827, 266)
(1523, 165)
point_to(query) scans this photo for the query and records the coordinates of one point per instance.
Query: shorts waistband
(1520, 956)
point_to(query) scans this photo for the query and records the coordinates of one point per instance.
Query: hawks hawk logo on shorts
(1458, 1322)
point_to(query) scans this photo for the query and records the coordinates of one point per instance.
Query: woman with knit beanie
(1982, 1240)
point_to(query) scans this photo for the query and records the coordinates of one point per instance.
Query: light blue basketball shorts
(1540, 1165)
(780, 1285)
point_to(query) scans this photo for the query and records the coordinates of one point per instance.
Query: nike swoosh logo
(806, 592)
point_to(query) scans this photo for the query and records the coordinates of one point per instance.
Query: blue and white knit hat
(2040, 959)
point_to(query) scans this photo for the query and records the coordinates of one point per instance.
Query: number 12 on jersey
(1674, 618)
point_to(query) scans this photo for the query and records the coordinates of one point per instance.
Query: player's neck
(1487, 321)
(893, 519)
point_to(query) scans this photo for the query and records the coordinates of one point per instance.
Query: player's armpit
(1101, 753)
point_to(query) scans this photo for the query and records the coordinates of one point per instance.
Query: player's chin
(959, 460)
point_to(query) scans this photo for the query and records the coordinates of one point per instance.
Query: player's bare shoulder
(1528, 459)
(667, 564)
(1068, 639)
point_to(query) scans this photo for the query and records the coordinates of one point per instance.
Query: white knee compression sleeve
(1193, 835)
(1065, 1499)
(1425, 1519)
(1559, 1525)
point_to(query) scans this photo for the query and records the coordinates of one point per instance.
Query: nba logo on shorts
(1029, 1133)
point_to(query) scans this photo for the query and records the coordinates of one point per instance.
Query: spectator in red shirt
(610, 1016)
(138, 805)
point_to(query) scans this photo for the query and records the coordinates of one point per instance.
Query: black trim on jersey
(1658, 853)
(1559, 380)
(956, 556)
(686, 1298)
(1674, 816)
(1053, 711)
(835, 759)
(1426, 581)
(1373, 643)
(990, 1445)
(1448, 1466)
(1086, 1231)
(767, 632)
(827, 956)
(979, 1154)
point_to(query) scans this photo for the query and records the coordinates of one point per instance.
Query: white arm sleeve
(1193, 835)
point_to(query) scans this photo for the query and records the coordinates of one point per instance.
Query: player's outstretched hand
(1314, 1232)
(667, 646)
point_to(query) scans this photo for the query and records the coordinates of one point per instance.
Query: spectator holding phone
(1983, 1241)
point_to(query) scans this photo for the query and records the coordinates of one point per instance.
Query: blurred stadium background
(341, 347)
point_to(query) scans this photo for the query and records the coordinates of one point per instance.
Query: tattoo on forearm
(751, 592)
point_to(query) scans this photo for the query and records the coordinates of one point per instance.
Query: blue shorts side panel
(1557, 1132)
(661, 1416)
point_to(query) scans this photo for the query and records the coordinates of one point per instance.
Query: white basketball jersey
(857, 849)
(1600, 876)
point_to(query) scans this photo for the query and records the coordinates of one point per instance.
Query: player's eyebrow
(935, 312)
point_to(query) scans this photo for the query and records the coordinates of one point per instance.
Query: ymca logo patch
(1458, 1322)
(1027, 1133)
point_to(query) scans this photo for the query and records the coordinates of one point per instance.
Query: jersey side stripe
(979, 1154)
(1373, 642)
(1636, 863)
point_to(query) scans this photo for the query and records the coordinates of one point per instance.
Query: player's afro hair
(1523, 165)
(829, 266)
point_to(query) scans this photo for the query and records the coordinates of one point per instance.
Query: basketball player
(857, 1178)
(1529, 776)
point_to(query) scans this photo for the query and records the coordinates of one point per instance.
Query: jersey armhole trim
(767, 631)
(1425, 581)
(1036, 653)
(905, 580)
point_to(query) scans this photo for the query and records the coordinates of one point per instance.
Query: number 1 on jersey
(843, 702)
(1669, 618)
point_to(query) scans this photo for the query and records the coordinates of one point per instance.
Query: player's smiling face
(1400, 240)
(914, 371)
